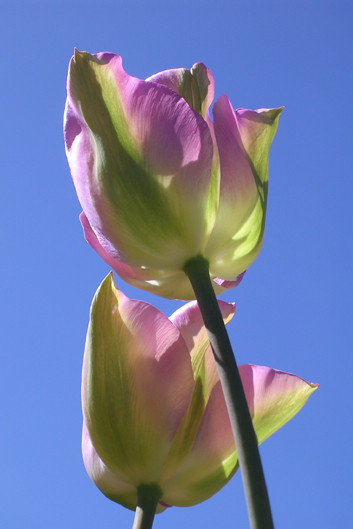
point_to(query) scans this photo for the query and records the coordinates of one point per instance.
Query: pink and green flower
(158, 181)
(153, 408)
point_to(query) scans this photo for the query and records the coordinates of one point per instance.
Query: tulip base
(147, 500)
(259, 510)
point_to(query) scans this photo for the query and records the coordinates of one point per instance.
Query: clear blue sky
(294, 307)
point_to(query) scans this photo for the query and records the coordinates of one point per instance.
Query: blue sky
(294, 309)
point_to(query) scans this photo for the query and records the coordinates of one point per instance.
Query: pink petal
(273, 397)
(173, 285)
(229, 284)
(136, 385)
(141, 159)
(189, 321)
(196, 86)
(111, 255)
(257, 127)
(232, 245)
(174, 140)
(237, 180)
(212, 460)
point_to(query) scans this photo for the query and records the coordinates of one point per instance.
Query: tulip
(153, 408)
(159, 182)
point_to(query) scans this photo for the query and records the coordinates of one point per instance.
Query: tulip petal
(229, 284)
(238, 196)
(257, 129)
(136, 385)
(109, 484)
(243, 145)
(273, 397)
(161, 282)
(141, 161)
(196, 86)
(212, 460)
(107, 251)
(188, 320)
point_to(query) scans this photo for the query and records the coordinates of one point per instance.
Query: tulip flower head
(159, 182)
(153, 408)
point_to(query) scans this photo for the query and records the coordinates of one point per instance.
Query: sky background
(294, 306)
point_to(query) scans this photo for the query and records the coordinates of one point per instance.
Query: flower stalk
(147, 500)
(256, 495)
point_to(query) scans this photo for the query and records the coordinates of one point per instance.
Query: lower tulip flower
(154, 413)
(159, 182)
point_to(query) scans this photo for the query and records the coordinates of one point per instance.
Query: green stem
(147, 500)
(259, 510)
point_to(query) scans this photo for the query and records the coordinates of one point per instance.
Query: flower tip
(108, 294)
(227, 309)
(77, 61)
(81, 57)
(107, 286)
(270, 115)
(199, 65)
(274, 113)
(77, 55)
(223, 97)
(277, 111)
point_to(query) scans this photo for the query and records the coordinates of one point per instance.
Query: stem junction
(147, 500)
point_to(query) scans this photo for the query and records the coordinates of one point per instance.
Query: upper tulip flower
(154, 412)
(158, 182)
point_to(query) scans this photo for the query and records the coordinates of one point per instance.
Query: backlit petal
(273, 397)
(141, 161)
(137, 383)
(196, 86)
(166, 283)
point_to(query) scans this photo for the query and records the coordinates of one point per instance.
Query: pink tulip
(158, 181)
(153, 408)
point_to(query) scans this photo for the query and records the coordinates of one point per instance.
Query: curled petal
(196, 86)
(273, 397)
(229, 284)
